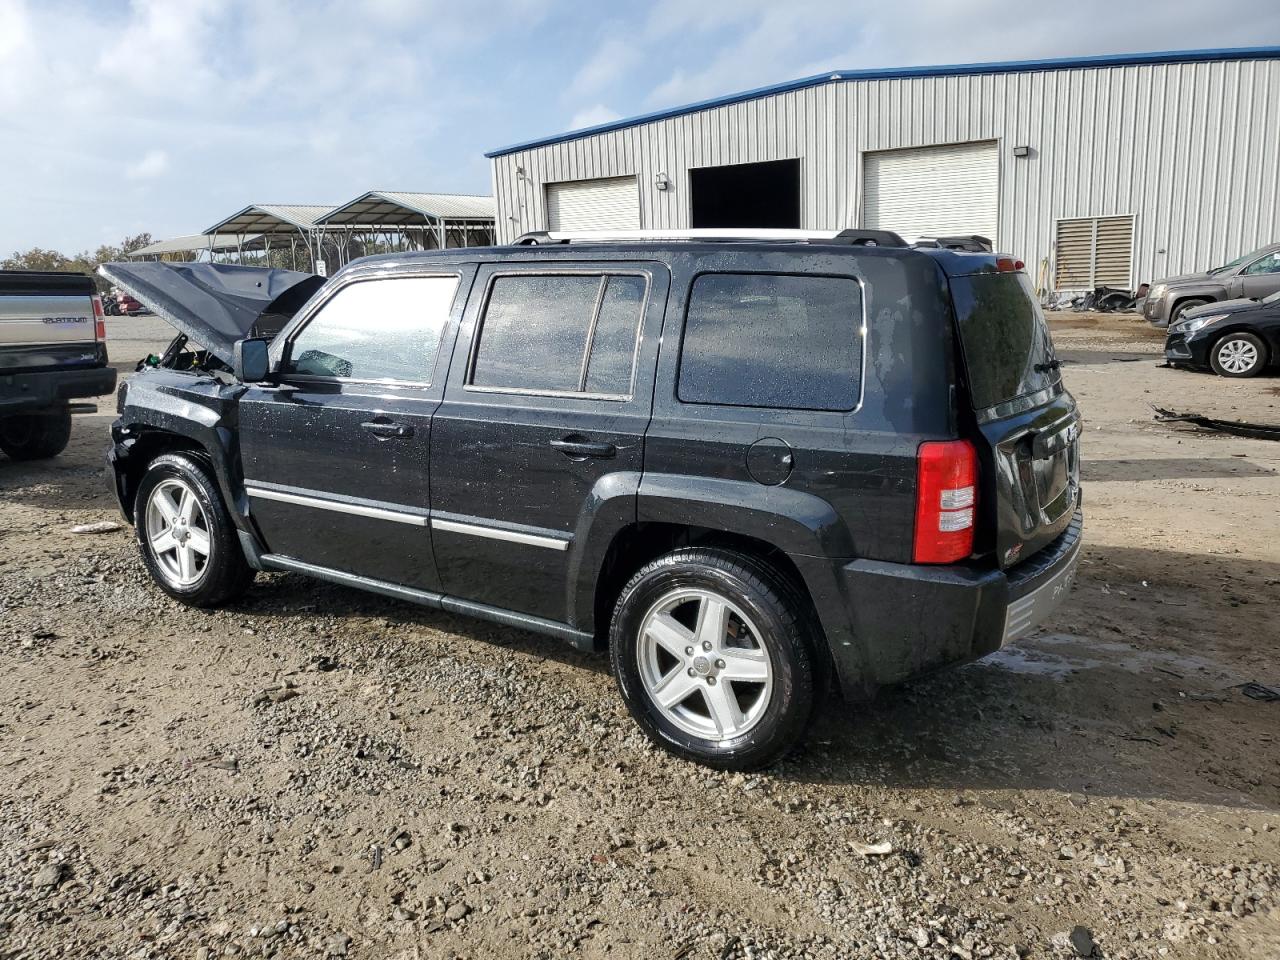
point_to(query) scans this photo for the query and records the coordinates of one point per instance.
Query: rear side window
(376, 330)
(786, 341)
(560, 333)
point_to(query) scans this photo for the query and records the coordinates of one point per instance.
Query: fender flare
(801, 525)
(201, 426)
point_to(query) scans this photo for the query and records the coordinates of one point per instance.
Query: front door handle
(577, 448)
(385, 430)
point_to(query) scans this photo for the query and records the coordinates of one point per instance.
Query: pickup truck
(53, 352)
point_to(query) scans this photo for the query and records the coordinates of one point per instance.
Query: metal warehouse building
(1113, 169)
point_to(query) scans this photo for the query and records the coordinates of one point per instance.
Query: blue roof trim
(902, 73)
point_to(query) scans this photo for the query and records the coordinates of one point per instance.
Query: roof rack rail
(870, 238)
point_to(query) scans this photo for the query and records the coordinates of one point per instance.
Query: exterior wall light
(1022, 151)
(661, 181)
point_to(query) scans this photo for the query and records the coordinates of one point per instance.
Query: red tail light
(946, 501)
(1009, 265)
(99, 320)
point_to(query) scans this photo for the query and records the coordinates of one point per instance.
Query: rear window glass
(1007, 349)
(773, 340)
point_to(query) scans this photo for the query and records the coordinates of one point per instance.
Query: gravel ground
(316, 772)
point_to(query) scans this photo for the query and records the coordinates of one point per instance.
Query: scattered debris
(278, 695)
(100, 526)
(1082, 942)
(1256, 691)
(1239, 428)
(873, 849)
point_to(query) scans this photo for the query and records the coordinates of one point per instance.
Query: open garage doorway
(746, 195)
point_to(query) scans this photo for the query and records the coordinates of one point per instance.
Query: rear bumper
(907, 620)
(24, 392)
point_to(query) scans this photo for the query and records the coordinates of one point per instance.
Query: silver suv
(1250, 277)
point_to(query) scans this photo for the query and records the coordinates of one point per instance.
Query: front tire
(1238, 355)
(711, 650)
(35, 436)
(188, 542)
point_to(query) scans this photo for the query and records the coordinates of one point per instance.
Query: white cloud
(153, 164)
(759, 42)
(592, 116)
(609, 63)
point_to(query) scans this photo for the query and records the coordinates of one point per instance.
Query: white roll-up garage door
(932, 191)
(612, 204)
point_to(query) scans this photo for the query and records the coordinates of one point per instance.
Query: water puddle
(1057, 655)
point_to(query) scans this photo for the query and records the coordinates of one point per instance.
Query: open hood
(216, 304)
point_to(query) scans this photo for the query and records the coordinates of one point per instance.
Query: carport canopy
(198, 243)
(273, 219)
(384, 208)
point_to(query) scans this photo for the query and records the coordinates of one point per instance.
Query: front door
(548, 399)
(1260, 278)
(336, 459)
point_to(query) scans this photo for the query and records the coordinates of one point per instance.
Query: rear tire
(188, 542)
(35, 436)
(1184, 306)
(1238, 355)
(711, 650)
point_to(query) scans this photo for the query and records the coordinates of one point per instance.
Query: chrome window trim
(337, 506)
(497, 533)
(603, 272)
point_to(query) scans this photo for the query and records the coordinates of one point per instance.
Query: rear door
(1028, 423)
(336, 460)
(549, 395)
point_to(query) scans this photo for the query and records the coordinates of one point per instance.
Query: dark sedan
(1235, 338)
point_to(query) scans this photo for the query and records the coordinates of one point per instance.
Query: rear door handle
(581, 449)
(384, 430)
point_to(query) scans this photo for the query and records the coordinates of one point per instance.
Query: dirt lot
(435, 787)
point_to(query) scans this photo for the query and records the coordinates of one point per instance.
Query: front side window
(773, 340)
(1268, 264)
(385, 329)
(560, 333)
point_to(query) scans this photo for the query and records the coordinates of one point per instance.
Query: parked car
(741, 466)
(53, 352)
(1238, 338)
(129, 306)
(1253, 276)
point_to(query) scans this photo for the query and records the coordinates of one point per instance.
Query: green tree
(38, 258)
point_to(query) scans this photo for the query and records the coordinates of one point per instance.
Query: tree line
(37, 258)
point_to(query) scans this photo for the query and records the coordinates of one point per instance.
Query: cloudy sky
(167, 115)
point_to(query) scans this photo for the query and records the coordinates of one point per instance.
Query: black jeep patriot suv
(743, 465)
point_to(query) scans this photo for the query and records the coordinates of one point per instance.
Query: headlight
(1158, 291)
(1191, 326)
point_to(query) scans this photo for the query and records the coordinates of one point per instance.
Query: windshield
(1236, 262)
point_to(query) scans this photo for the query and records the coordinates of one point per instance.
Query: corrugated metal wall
(1190, 149)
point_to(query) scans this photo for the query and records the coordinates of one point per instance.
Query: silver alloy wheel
(178, 531)
(1237, 356)
(704, 664)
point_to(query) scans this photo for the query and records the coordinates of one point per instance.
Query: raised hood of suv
(216, 304)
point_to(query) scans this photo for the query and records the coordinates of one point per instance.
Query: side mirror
(252, 360)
